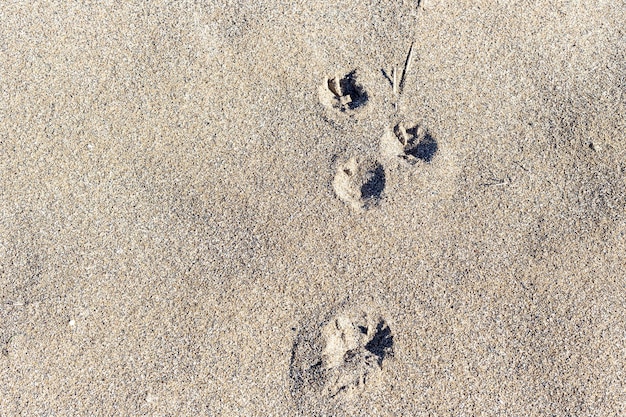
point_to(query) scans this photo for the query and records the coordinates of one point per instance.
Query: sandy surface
(192, 222)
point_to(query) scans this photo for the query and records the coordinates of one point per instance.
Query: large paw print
(338, 359)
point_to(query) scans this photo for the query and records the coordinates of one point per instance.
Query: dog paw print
(344, 94)
(417, 143)
(354, 349)
(411, 148)
(340, 358)
(360, 183)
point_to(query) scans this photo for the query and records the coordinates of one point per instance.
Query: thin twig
(520, 165)
(387, 77)
(407, 66)
(494, 181)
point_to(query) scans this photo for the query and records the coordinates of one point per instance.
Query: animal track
(344, 94)
(360, 183)
(339, 358)
(417, 143)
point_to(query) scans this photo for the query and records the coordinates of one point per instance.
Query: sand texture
(250, 208)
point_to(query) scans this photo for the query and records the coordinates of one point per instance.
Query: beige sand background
(168, 224)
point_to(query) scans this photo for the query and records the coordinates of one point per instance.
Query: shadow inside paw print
(417, 142)
(381, 344)
(374, 184)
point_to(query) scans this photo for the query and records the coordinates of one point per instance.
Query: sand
(227, 208)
